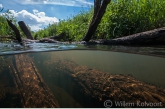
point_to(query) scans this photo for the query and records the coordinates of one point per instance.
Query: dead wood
(99, 10)
(25, 30)
(91, 87)
(59, 37)
(47, 40)
(16, 31)
(156, 36)
(34, 93)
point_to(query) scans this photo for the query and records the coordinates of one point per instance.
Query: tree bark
(99, 10)
(34, 93)
(152, 37)
(16, 31)
(97, 4)
(25, 30)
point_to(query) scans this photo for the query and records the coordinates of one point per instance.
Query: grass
(133, 16)
(74, 27)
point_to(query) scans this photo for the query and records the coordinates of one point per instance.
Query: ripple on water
(14, 48)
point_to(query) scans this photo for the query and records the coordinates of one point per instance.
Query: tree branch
(96, 18)
(16, 31)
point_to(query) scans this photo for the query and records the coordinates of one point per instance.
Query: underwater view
(82, 54)
(74, 76)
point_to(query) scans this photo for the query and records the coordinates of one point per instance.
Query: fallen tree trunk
(16, 31)
(91, 87)
(34, 93)
(156, 36)
(47, 40)
(26, 31)
(59, 37)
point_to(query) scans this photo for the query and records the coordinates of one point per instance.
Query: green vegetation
(122, 18)
(74, 28)
(127, 17)
(5, 29)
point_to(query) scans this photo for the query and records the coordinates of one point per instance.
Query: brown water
(56, 67)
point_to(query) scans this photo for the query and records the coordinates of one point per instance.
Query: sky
(40, 13)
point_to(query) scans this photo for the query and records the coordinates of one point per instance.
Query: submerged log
(91, 87)
(16, 31)
(25, 30)
(33, 91)
(156, 36)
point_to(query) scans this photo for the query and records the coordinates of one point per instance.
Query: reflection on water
(81, 78)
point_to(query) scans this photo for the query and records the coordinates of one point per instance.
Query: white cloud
(35, 27)
(77, 3)
(35, 20)
(1, 6)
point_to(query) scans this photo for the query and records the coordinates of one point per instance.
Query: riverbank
(152, 37)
